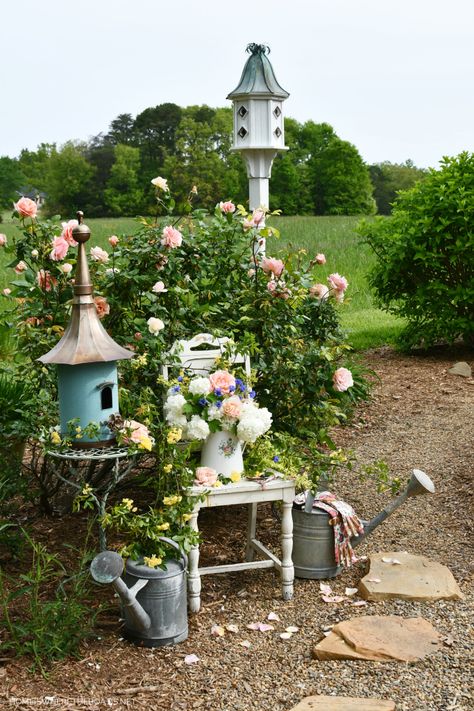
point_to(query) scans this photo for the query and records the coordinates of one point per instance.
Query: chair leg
(251, 531)
(287, 568)
(194, 578)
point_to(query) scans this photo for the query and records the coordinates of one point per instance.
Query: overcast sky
(394, 77)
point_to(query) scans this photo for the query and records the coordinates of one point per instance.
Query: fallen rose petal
(232, 628)
(350, 591)
(245, 643)
(292, 629)
(373, 580)
(333, 598)
(359, 603)
(392, 561)
(286, 635)
(327, 633)
(191, 659)
(325, 589)
(253, 626)
(217, 631)
(265, 628)
(273, 616)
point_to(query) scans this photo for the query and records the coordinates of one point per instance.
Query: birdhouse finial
(254, 48)
(80, 216)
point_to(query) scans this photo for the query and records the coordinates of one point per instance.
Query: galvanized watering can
(313, 537)
(154, 603)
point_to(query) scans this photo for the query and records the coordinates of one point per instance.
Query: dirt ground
(420, 416)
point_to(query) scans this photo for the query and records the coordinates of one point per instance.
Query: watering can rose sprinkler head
(419, 484)
(106, 568)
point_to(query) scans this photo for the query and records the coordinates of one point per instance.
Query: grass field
(366, 325)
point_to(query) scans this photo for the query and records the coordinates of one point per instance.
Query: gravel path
(420, 417)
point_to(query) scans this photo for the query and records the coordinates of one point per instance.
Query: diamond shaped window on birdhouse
(242, 132)
(242, 111)
(277, 112)
(277, 132)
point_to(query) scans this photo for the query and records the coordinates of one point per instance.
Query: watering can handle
(174, 545)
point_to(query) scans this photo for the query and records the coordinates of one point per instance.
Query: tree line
(110, 174)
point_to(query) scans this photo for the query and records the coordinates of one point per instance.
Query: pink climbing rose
(67, 232)
(60, 249)
(320, 259)
(113, 240)
(3, 240)
(205, 476)
(99, 255)
(342, 379)
(270, 265)
(26, 207)
(171, 237)
(319, 291)
(227, 207)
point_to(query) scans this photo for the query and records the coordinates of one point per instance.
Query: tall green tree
(11, 180)
(388, 178)
(124, 194)
(69, 179)
(35, 166)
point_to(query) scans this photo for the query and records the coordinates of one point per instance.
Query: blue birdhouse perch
(87, 359)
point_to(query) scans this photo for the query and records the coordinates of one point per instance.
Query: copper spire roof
(258, 78)
(85, 339)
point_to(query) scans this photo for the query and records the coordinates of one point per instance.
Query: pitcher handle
(174, 545)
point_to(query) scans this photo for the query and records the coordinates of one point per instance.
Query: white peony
(254, 422)
(175, 403)
(214, 413)
(200, 386)
(176, 419)
(197, 428)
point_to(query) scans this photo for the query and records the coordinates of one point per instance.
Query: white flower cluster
(200, 386)
(174, 410)
(197, 428)
(254, 422)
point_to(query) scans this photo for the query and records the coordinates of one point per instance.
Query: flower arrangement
(218, 402)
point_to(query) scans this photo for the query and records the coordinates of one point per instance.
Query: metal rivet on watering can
(154, 601)
(313, 537)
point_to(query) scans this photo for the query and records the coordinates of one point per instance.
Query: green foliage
(11, 180)
(388, 178)
(69, 177)
(45, 611)
(124, 194)
(425, 255)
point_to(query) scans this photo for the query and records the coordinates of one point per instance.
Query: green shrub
(425, 255)
(45, 611)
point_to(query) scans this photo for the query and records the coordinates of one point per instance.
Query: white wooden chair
(192, 357)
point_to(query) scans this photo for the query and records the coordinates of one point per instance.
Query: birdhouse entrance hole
(106, 397)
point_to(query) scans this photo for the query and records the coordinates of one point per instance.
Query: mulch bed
(420, 416)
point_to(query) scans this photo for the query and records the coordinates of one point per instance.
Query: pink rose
(60, 249)
(222, 380)
(138, 336)
(66, 268)
(7, 292)
(251, 273)
(113, 240)
(272, 266)
(320, 259)
(45, 281)
(26, 207)
(205, 476)
(3, 240)
(99, 255)
(171, 238)
(271, 286)
(232, 407)
(67, 232)
(101, 306)
(158, 288)
(319, 291)
(258, 216)
(342, 379)
(227, 207)
(337, 282)
(21, 267)
(137, 431)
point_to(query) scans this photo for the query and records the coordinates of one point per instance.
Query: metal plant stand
(123, 463)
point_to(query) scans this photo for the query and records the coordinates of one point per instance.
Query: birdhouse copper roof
(85, 339)
(258, 78)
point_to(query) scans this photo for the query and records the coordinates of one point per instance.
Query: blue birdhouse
(87, 359)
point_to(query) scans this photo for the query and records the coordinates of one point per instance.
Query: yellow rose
(235, 476)
(174, 435)
(163, 527)
(153, 561)
(55, 438)
(172, 500)
(186, 517)
(128, 503)
(167, 468)
(217, 484)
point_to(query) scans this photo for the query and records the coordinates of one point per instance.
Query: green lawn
(366, 325)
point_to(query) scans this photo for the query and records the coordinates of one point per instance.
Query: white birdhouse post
(259, 131)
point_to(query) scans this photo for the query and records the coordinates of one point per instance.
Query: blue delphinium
(203, 402)
(252, 394)
(176, 389)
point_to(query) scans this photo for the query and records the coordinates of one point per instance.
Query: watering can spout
(419, 483)
(107, 567)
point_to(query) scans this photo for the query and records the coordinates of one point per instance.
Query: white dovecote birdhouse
(258, 121)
